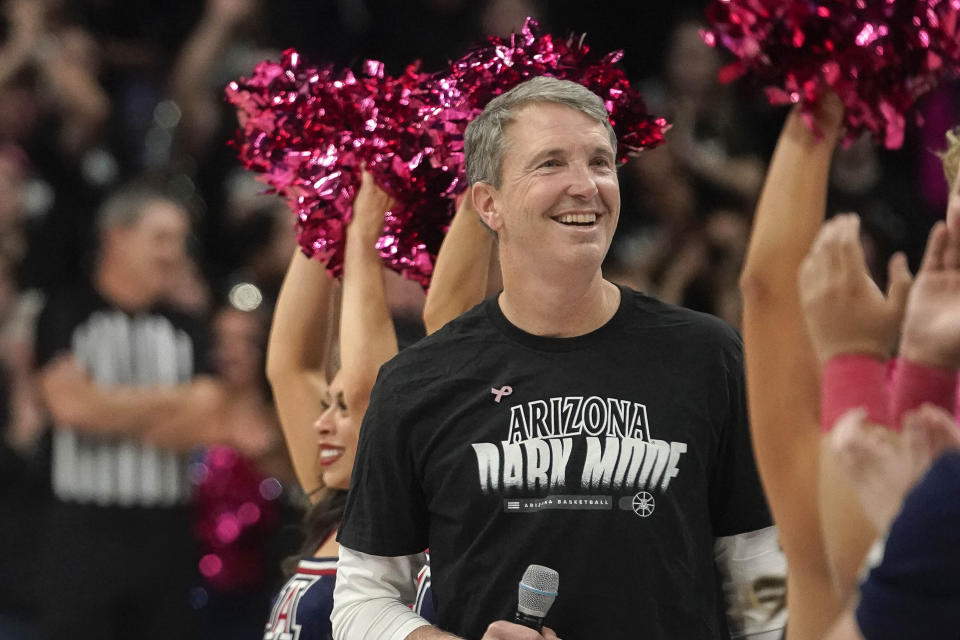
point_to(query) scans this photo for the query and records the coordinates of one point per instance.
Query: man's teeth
(577, 218)
(330, 453)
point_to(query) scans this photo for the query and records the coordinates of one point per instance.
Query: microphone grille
(538, 589)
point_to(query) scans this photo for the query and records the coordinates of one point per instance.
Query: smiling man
(566, 422)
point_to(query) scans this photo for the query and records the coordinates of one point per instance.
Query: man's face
(559, 198)
(152, 250)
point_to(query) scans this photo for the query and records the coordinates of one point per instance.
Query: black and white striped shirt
(117, 349)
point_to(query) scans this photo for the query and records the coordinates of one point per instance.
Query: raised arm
(782, 371)
(25, 19)
(297, 356)
(65, 59)
(367, 336)
(460, 278)
(66, 62)
(190, 77)
(792, 204)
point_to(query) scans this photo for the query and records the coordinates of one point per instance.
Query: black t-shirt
(614, 457)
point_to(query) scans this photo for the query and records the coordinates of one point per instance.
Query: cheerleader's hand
(369, 207)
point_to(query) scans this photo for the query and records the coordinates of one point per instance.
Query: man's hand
(931, 331)
(502, 630)
(844, 309)
(201, 418)
(67, 389)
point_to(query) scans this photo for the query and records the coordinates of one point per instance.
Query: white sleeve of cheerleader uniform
(753, 573)
(373, 594)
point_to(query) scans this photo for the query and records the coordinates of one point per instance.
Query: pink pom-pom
(308, 129)
(879, 56)
(497, 66)
(232, 518)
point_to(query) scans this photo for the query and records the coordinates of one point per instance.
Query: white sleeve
(742, 560)
(373, 594)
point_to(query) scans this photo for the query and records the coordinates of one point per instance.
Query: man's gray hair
(125, 206)
(484, 141)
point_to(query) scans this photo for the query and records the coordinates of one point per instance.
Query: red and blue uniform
(302, 609)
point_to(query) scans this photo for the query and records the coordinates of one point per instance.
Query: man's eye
(546, 164)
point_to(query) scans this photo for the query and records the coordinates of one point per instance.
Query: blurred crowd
(96, 93)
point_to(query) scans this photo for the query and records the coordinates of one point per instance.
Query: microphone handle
(531, 622)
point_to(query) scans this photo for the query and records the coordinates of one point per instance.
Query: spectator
(124, 382)
(23, 492)
(711, 149)
(53, 108)
(239, 509)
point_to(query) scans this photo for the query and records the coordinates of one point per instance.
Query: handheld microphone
(536, 594)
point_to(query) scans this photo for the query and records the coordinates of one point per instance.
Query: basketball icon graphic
(643, 504)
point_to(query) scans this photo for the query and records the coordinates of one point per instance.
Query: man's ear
(486, 202)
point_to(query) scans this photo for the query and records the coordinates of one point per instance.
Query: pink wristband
(915, 384)
(851, 381)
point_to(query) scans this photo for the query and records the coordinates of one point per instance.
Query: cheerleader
(300, 362)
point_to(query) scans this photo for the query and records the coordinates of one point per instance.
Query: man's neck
(111, 282)
(559, 307)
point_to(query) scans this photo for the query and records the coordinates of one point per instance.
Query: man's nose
(583, 183)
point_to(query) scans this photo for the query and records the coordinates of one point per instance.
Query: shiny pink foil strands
(307, 130)
(499, 65)
(879, 56)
